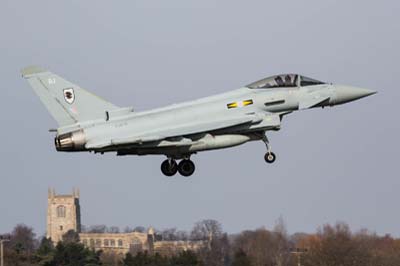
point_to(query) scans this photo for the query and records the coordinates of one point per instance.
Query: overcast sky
(334, 164)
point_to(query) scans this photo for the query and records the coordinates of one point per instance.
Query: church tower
(63, 214)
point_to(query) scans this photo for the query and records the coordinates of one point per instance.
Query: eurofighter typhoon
(89, 123)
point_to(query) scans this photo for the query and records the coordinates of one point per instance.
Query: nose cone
(345, 94)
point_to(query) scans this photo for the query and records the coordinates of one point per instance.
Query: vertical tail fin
(67, 103)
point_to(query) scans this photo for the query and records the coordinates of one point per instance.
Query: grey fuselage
(214, 122)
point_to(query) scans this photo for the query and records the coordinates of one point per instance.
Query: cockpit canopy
(284, 80)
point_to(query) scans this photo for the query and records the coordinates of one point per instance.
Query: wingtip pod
(31, 70)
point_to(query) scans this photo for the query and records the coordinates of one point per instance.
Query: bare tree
(84, 229)
(113, 230)
(169, 234)
(139, 229)
(182, 235)
(335, 245)
(217, 253)
(257, 245)
(128, 229)
(216, 249)
(206, 229)
(265, 247)
(23, 239)
(19, 251)
(281, 244)
(97, 229)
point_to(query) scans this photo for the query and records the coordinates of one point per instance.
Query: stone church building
(64, 214)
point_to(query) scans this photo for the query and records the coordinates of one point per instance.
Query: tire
(270, 157)
(169, 169)
(186, 167)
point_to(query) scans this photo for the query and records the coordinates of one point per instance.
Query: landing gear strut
(170, 167)
(269, 157)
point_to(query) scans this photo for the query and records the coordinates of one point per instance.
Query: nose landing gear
(269, 157)
(170, 167)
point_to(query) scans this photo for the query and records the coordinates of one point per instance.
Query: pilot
(279, 81)
(288, 81)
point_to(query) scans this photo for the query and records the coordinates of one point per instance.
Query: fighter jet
(89, 123)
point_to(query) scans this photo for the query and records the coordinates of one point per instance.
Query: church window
(61, 211)
(98, 243)
(106, 242)
(120, 243)
(112, 242)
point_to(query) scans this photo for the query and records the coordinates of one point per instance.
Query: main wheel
(270, 157)
(169, 167)
(186, 167)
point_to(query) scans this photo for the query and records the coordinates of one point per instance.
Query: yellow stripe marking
(239, 104)
(232, 105)
(247, 102)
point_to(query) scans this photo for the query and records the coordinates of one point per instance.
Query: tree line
(330, 245)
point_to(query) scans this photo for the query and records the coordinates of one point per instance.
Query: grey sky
(333, 164)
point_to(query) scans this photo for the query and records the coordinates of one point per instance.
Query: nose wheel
(170, 167)
(269, 157)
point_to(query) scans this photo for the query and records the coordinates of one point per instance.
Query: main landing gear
(170, 167)
(269, 157)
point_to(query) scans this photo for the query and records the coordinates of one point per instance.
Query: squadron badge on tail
(69, 95)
